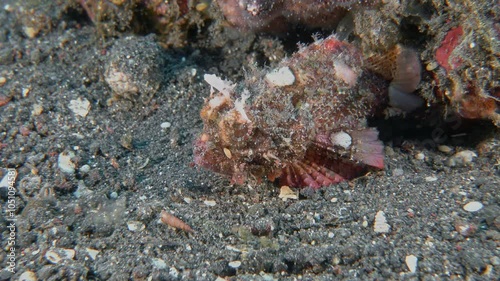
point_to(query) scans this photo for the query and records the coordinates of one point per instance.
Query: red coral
(448, 46)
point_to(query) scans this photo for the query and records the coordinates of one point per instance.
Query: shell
(310, 131)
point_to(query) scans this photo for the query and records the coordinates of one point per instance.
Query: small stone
(135, 226)
(26, 91)
(80, 107)
(431, 178)
(159, 263)
(461, 158)
(3, 80)
(397, 172)
(445, 149)
(84, 169)
(113, 195)
(210, 203)
(92, 253)
(287, 193)
(37, 109)
(380, 225)
(420, 156)
(64, 162)
(473, 206)
(173, 272)
(235, 264)
(165, 125)
(411, 263)
(30, 31)
(187, 200)
(280, 77)
(56, 255)
(28, 276)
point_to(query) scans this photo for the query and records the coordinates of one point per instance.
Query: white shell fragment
(56, 255)
(473, 206)
(411, 263)
(287, 193)
(280, 77)
(380, 225)
(92, 253)
(80, 106)
(135, 226)
(210, 203)
(463, 157)
(28, 276)
(64, 162)
(342, 139)
(235, 264)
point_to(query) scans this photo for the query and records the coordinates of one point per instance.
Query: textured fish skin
(307, 128)
(279, 15)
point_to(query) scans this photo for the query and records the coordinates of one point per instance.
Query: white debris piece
(411, 262)
(235, 264)
(92, 253)
(80, 106)
(210, 203)
(135, 226)
(473, 206)
(342, 139)
(28, 276)
(223, 86)
(461, 158)
(287, 193)
(159, 263)
(380, 225)
(280, 77)
(64, 162)
(431, 178)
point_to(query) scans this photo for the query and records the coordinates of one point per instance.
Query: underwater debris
(307, 131)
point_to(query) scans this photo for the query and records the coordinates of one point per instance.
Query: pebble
(397, 172)
(113, 195)
(473, 206)
(381, 225)
(411, 262)
(80, 107)
(28, 276)
(431, 178)
(92, 253)
(37, 109)
(159, 263)
(445, 149)
(56, 255)
(235, 264)
(135, 226)
(165, 125)
(64, 162)
(420, 156)
(461, 158)
(3, 80)
(210, 203)
(84, 169)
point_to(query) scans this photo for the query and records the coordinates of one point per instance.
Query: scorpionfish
(304, 123)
